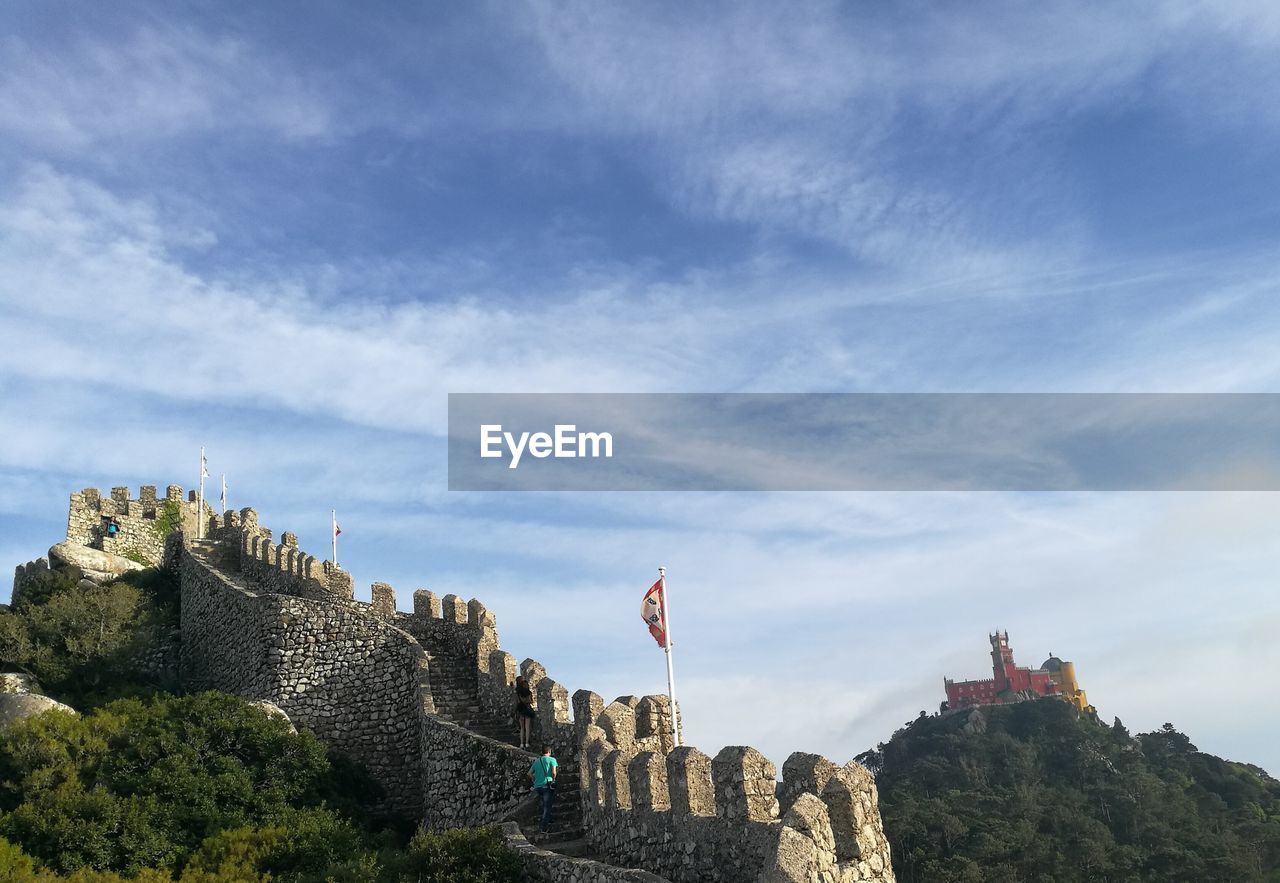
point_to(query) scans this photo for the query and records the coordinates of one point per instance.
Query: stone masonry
(90, 512)
(424, 699)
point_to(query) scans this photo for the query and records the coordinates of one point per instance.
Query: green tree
(141, 784)
(81, 641)
(474, 855)
(1036, 791)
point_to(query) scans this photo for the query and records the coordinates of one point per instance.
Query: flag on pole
(223, 499)
(654, 616)
(204, 464)
(337, 531)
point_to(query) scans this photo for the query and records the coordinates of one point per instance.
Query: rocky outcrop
(273, 710)
(16, 682)
(15, 707)
(95, 564)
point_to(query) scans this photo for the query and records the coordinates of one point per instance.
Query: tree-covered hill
(148, 784)
(1038, 792)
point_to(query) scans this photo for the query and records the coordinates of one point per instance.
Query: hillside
(148, 783)
(1038, 792)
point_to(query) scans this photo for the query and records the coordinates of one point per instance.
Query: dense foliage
(142, 784)
(1038, 792)
(304, 855)
(83, 642)
(203, 788)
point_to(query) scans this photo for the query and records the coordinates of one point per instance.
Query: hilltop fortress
(424, 700)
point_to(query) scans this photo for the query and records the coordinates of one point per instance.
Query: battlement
(278, 568)
(131, 526)
(24, 575)
(118, 502)
(400, 690)
(747, 824)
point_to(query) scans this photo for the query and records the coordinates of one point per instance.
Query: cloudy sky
(286, 231)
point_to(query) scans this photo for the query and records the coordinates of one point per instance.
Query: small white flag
(204, 465)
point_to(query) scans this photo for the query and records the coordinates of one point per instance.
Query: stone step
(577, 848)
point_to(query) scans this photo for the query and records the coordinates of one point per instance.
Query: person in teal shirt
(543, 772)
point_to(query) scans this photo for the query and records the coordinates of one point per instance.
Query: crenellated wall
(89, 513)
(263, 619)
(645, 805)
(24, 575)
(360, 684)
(280, 568)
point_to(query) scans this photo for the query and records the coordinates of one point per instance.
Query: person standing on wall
(524, 710)
(543, 772)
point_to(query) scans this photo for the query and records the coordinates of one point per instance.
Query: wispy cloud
(763, 198)
(159, 82)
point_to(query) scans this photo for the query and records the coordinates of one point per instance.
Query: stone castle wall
(469, 780)
(644, 805)
(265, 620)
(356, 682)
(24, 575)
(89, 512)
(540, 866)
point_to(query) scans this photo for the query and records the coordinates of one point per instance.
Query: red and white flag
(337, 531)
(654, 616)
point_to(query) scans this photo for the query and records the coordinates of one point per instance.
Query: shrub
(470, 855)
(168, 519)
(141, 784)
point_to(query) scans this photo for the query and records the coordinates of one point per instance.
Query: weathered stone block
(586, 708)
(803, 773)
(426, 604)
(383, 601)
(689, 782)
(619, 724)
(480, 616)
(455, 610)
(553, 704)
(744, 781)
(648, 777)
(617, 780)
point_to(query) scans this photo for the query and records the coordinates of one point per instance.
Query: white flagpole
(671, 673)
(200, 499)
(223, 502)
(333, 530)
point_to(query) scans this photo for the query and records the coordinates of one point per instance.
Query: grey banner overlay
(868, 441)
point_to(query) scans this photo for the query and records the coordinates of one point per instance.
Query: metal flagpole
(200, 500)
(671, 673)
(334, 532)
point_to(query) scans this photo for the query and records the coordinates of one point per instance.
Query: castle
(1013, 683)
(424, 700)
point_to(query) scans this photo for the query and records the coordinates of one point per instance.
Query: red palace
(1013, 683)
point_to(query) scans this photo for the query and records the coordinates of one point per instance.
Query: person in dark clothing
(543, 772)
(524, 710)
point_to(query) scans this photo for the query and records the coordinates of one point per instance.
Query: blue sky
(287, 231)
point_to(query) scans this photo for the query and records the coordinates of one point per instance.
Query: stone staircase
(453, 688)
(212, 553)
(567, 835)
